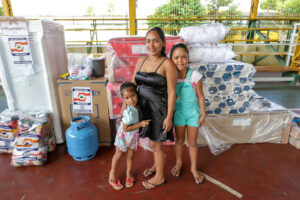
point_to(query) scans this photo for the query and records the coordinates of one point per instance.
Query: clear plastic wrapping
(80, 66)
(123, 53)
(8, 130)
(227, 87)
(114, 100)
(220, 131)
(33, 139)
(210, 53)
(205, 33)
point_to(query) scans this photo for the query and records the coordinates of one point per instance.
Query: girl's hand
(167, 125)
(145, 123)
(201, 120)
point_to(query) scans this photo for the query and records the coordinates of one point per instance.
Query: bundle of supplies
(265, 122)
(205, 33)
(33, 139)
(79, 66)
(210, 52)
(202, 42)
(295, 136)
(227, 87)
(8, 130)
(123, 53)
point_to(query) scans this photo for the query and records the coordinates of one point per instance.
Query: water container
(82, 139)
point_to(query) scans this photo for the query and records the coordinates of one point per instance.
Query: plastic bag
(210, 53)
(205, 33)
(31, 143)
(216, 145)
(8, 130)
(80, 66)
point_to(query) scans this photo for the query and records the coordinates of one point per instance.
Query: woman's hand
(201, 120)
(167, 125)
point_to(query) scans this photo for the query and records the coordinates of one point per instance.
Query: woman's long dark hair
(162, 36)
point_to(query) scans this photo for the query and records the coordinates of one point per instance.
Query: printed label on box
(82, 100)
(21, 55)
(241, 122)
(138, 49)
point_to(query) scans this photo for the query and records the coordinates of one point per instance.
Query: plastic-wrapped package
(219, 131)
(210, 53)
(31, 143)
(8, 130)
(123, 53)
(216, 146)
(294, 142)
(227, 87)
(49, 60)
(80, 66)
(114, 100)
(295, 131)
(205, 33)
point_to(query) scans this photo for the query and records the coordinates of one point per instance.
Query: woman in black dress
(156, 76)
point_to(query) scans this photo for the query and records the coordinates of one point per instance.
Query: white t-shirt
(195, 77)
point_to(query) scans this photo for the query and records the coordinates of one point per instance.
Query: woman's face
(180, 58)
(154, 43)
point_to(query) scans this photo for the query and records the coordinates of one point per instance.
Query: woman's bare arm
(171, 75)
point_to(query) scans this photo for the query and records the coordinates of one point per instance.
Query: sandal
(152, 185)
(116, 185)
(200, 179)
(174, 172)
(148, 172)
(129, 182)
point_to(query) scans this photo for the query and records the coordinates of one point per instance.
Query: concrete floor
(257, 171)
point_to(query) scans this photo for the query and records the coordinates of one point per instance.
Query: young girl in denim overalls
(187, 115)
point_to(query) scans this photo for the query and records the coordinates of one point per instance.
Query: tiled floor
(258, 171)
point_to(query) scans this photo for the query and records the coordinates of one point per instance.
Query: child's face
(154, 43)
(180, 58)
(130, 97)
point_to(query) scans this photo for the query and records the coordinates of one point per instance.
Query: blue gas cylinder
(82, 139)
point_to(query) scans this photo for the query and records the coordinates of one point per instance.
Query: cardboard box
(255, 127)
(295, 131)
(86, 98)
(294, 142)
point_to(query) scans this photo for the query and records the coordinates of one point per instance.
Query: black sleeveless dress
(153, 101)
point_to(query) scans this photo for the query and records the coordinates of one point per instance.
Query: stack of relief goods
(8, 130)
(295, 135)
(122, 55)
(33, 140)
(227, 84)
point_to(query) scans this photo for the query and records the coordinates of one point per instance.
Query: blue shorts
(182, 118)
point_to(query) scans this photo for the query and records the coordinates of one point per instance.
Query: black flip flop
(153, 185)
(176, 172)
(147, 172)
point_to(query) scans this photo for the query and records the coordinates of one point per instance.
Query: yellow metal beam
(222, 19)
(7, 8)
(296, 57)
(132, 16)
(275, 68)
(253, 11)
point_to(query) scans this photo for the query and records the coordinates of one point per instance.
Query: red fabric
(127, 51)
